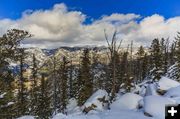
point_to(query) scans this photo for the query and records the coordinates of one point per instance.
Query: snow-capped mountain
(72, 53)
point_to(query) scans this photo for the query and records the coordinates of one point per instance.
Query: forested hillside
(86, 81)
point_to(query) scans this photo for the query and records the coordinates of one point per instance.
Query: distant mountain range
(72, 53)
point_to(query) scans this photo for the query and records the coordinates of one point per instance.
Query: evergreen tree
(165, 55)
(145, 66)
(157, 60)
(177, 56)
(9, 43)
(118, 70)
(7, 101)
(70, 69)
(98, 72)
(63, 71)
(140, 61)
(125, 73)
(22, 100)
(75, 82)
(55, 88)
(34, 88)
(44, 110)
(172, 53)
(85, 79)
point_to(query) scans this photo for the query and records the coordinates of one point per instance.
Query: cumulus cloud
(154, 26)
(58, 26)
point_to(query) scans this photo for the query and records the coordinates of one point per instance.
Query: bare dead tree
(113, 50)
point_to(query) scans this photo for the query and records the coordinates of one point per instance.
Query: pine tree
(9, 42)
(172, 53)
(22, 108)
(71, 86)
(34, 88)
(75, 82)
(165, 55)
(145, 66)
(140, 61)
(157, 61)
(85, 80)
(118, 70)
(44, 110)
(54, 77)
(125, 73)
(98, 72)
(63, 71)
(177, 56)
(7, 101)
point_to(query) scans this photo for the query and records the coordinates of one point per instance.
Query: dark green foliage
(7, 103)
(63, 86)
(145, 66)
(98, 70)
(172, 53)
(85, 81)
(177, 55)
(126, 77)
(157, 60)
(34, 88)
(44, 110)
(9, 43)
(164, 43)
(61, 80)
(22, 101)
(71, 86)
(141, 64)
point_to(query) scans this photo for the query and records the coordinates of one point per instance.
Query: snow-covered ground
(108, 114)
(147, 102)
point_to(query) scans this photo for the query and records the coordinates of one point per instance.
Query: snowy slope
(123, 114)
(127, 106)
(167, 83)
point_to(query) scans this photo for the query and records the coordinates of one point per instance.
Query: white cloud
(119, 18)
(58, 26)
(154, 26)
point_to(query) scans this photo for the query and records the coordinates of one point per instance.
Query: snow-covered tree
(177, 56)
(157, 60)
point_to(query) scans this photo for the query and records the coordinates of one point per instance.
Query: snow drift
(128, 101)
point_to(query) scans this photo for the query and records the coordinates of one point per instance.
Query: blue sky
(94, 8)
(55, 23)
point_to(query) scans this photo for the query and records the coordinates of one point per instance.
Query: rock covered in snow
(97, 101)
(166, 83)
(128, 101)
(151, 89)
(155, 105)
(110, 114)
(73, 107)
(173, 92)
(26, 117)
(60, 116)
